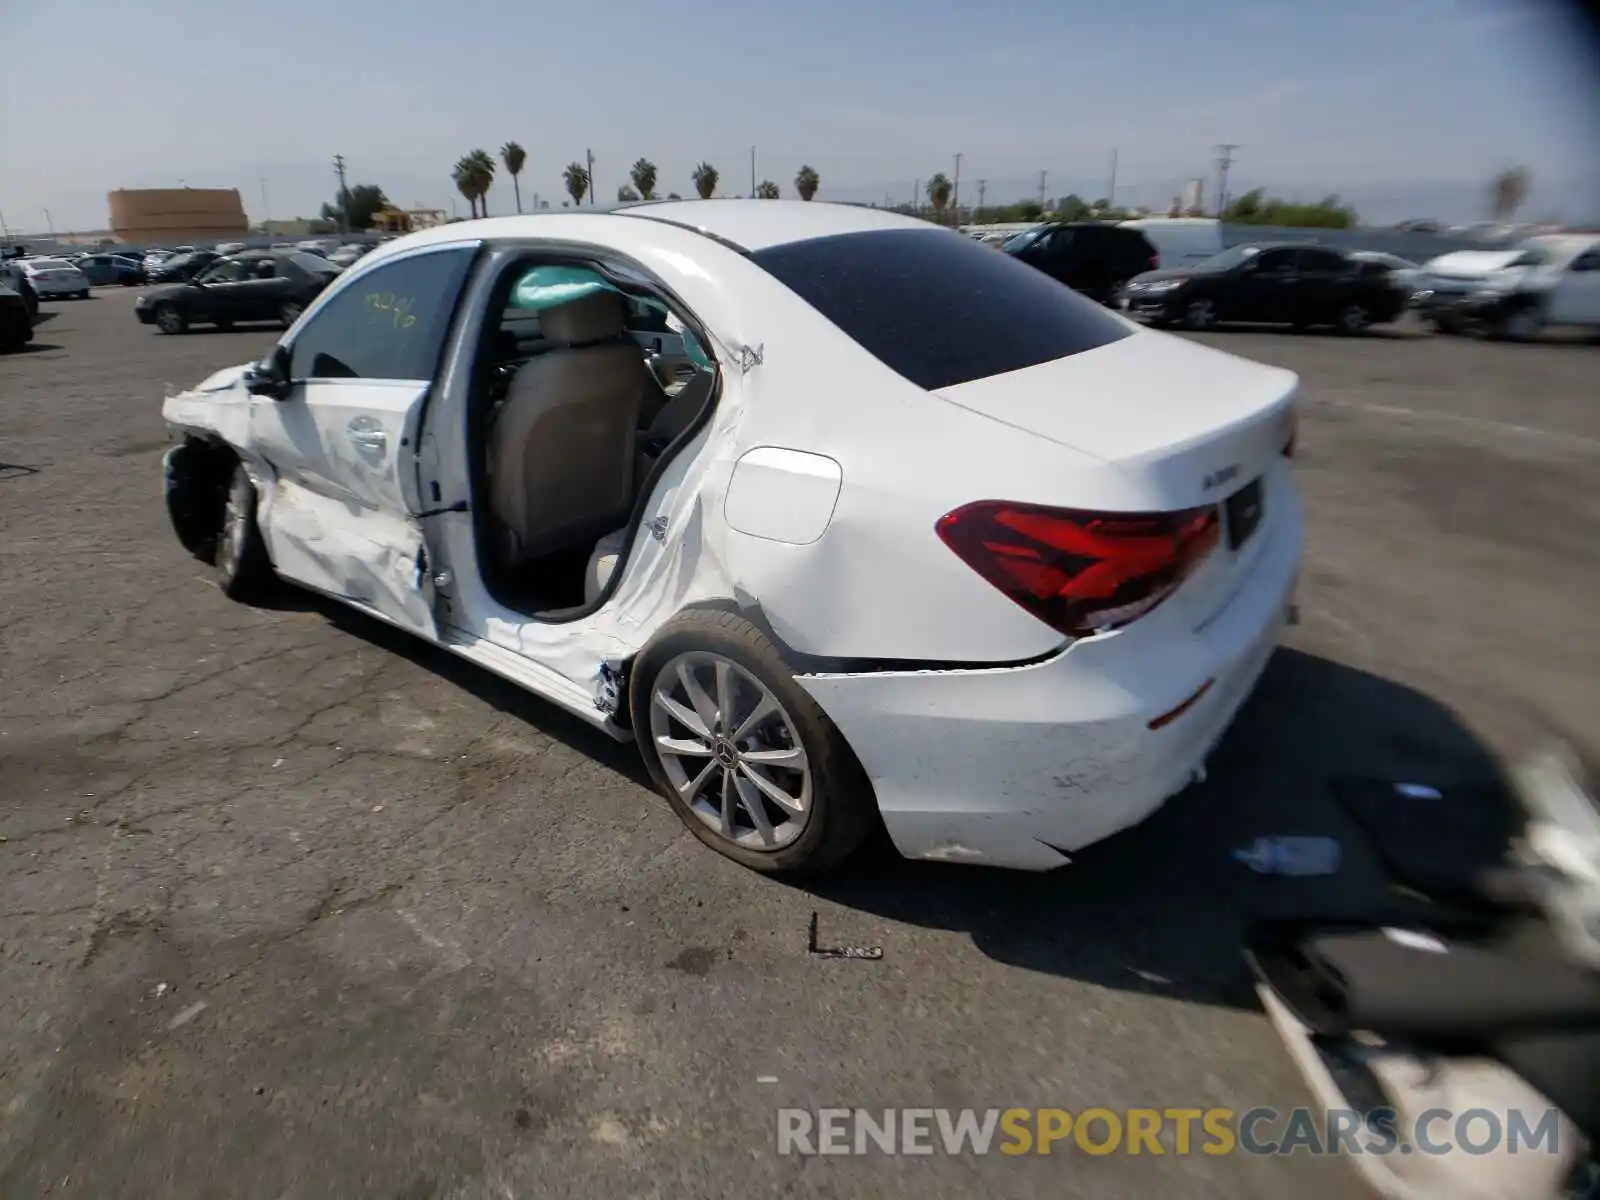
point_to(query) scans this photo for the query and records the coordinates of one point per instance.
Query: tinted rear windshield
(939, 308)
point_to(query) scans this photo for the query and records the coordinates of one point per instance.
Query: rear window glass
(938, 308)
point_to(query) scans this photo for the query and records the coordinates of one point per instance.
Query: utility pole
(5, 231)
(1224, 161)
(916, 196)
(752, 172)
(266, 209)
(955, 190)
(589, 157)
(982, 186)
(49, 224)
(344, 194)
(1041, 188)
(1111, 188)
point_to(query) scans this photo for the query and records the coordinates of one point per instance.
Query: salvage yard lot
(293, 907)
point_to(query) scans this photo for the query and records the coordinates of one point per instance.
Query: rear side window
(938, 308)
(388, 324)
(1324, 262)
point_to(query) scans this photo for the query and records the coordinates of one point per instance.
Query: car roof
(747, 225)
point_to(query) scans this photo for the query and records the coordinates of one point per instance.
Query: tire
(1200, 313)
(1523, 325)
(223, 326)
(289, 312)
(830, 788)
(244, 572)
(82, 296)
(1354, 320)
(169, 319)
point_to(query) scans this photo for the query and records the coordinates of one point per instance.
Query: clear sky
(1404, 106)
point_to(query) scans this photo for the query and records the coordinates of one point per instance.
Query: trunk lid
(1184, 424)
(1187, 424)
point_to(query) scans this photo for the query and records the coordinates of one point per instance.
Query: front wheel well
(197, 473)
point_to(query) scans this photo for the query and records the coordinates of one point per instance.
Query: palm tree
(939, 195)
(644, 178)
(483, 177)
(577, 180)
(705, 180)
(514, 156)
(767, 190)
(806, 182)
(1507, 191)
(466, 182)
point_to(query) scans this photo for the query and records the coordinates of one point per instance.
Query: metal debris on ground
(816, 951)
(187, 1015)
(1418, 791)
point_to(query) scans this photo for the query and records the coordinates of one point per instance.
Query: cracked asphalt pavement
(293, 907)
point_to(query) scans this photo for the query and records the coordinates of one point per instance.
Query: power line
(1224, 161)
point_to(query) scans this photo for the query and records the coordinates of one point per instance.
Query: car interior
(583, 385)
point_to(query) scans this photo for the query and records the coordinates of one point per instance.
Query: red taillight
(1080, 572)
(1155, 262)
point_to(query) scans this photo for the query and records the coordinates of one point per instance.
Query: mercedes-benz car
(842, 519)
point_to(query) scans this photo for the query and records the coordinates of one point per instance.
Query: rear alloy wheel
(244, 572)
(170, 320)
(1199, 314)
(745, 756)
(1354, 318)
(289, 312)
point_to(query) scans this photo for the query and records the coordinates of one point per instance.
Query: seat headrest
(590, 318)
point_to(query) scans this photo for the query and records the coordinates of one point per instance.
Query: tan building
(150, 216)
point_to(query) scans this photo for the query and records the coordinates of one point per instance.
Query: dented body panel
(806, 499)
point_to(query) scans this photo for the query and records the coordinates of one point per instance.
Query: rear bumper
(1020, 766)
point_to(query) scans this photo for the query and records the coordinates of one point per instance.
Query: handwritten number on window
(387, 308)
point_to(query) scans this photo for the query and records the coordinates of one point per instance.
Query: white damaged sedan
(844, 518)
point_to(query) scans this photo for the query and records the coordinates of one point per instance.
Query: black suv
(1089, 258)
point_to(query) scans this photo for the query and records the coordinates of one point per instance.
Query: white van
(1181, 241)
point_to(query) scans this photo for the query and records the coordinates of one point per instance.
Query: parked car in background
(350, 252)
(1271, 283)
(227, 248)
(314, 246)
(1181, 241)
(55, 277)
(154, 258)
(183, 266)
(112, 268)
(258, 285)
(16, 317)
(1090, 258)
(1554, 280)
(1406, 273)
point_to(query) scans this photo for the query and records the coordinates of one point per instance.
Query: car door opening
(583, 386)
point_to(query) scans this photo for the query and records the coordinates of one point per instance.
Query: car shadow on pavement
(1161, 907)
(498, 693)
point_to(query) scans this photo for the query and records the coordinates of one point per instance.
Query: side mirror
(270, 376)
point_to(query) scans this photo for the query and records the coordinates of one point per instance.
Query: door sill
(540, 680)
